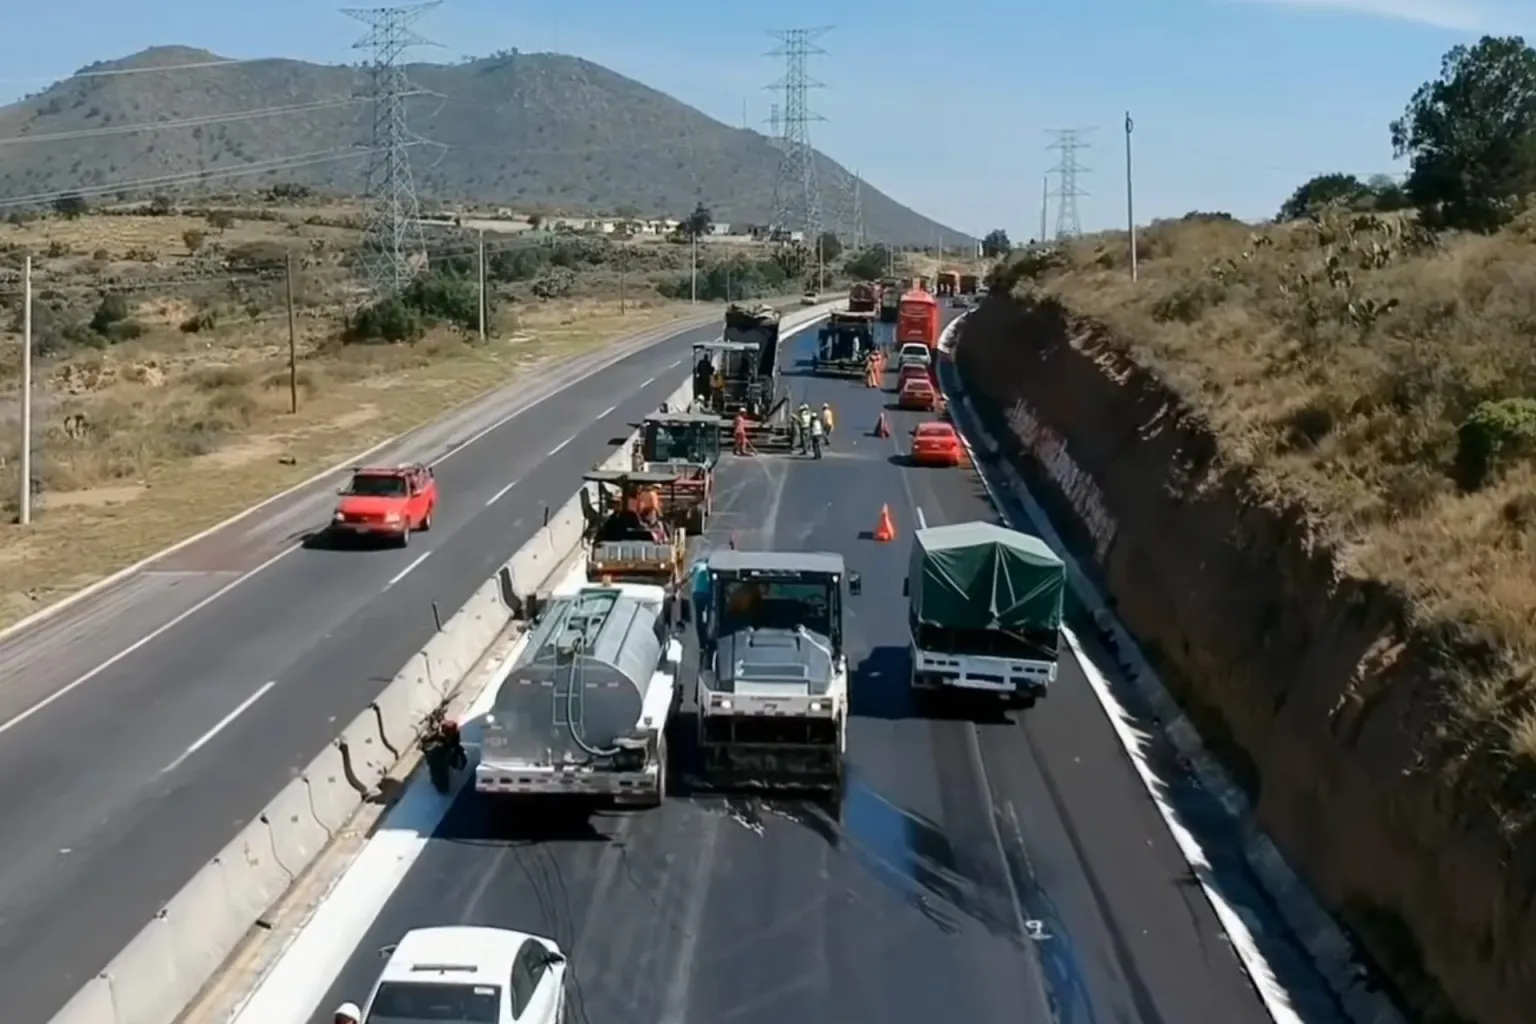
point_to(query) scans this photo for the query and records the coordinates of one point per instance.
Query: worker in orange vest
(739, 434)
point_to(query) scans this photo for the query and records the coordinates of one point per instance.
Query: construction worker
(828, 422)
(739, 434)
(872, 371)
(347, 1013)
(648, 507)
(804, 418)
(701, 594)
(818, 435)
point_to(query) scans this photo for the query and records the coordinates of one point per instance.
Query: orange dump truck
(918, 319)
(863, 297)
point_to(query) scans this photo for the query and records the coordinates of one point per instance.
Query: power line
(187, 177)
(1068, 142)
(199, 121)
(393, 250)
(797, 195)
(858, 211)
(115, 72)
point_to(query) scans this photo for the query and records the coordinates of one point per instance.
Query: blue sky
(944, 106)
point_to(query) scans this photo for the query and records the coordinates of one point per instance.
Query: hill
(523, 130)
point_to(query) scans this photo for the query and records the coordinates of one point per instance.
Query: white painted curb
(1331, 951)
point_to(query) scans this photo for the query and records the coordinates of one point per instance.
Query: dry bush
(1376, 372)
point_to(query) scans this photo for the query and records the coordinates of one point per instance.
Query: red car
(386, 503)
(917, 393)
(936, 444)
(913, 372)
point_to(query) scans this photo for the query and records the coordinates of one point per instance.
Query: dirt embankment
(1312, 686)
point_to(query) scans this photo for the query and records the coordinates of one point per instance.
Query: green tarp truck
(985, 609)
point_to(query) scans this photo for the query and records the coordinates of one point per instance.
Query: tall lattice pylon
(1069, 142)
(797, 193)
(393, 250)
(776, 125)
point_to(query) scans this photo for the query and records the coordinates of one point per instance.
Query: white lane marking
(403, 573)
(501, 494)
(1276, 1000)
(561, 445)
(922, 520)
(81, 680)
(678, 363)
(604, 414)
(646, 383)
(220, 726)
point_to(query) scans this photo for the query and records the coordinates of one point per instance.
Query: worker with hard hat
(828, 421)
(347, 1013)
(806, 421)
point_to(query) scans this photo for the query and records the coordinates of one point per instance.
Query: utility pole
(293, 341)
(858, 212)
(480, 277)
(693, 261)
(796, 191)
(623, 276)
(1045, 203)
(393, 249)
(1068, 142)
(1130, 194)
(24, 508)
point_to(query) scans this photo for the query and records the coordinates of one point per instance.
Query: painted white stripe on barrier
(1331, 951)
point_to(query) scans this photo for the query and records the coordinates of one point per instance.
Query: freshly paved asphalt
(106, 815)
(987, 871)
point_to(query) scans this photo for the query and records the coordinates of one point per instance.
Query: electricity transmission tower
(1069, 141)
(796, 192)
(775, 125)
(393, 249)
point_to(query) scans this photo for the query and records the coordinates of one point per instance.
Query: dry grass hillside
(1381, 375)
(162, 393)
(1352, 413)
(514, 129)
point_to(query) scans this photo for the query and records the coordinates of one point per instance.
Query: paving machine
(773, 672)
(686, 444)
(844, 343)
(626, 550)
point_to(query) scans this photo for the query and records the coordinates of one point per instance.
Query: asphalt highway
(988, 871)
(152, 755)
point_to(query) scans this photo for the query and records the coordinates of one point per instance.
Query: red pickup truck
(386, 503)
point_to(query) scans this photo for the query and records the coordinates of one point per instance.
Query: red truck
(917, 319)
(863, 297)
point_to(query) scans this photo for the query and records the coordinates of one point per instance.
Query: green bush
(1496, 434)
(113, 309)
(389, 320)
(446, 298)
(730, 281)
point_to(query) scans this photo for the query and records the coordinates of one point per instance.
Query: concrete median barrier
(168, 964)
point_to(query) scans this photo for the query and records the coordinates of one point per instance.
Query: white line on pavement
(222, 724)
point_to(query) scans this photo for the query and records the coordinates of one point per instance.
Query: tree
(869, 265)
(1323, 190)
(831, 246)
(1387, 193)
(1468, 134)
(193, 239)
(697, 223)
(70, 205)
(996, 244)
(220, 220)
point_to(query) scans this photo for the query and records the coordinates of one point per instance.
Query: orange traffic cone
(885, 531)
(882, 427)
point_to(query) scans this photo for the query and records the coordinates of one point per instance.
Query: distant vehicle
(918, 319)
(808, 299)
(960, 302)
(386, 503)
(912, 371)
(917, 394)
(470, 975)
(914, 353)
(936, 444)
